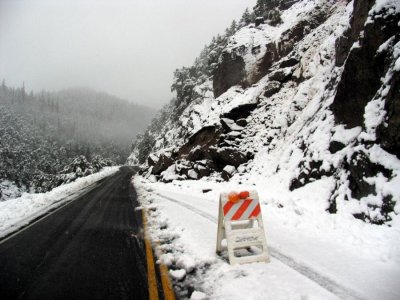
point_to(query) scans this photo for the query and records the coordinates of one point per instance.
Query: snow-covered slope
(305, 109)
(309, 107)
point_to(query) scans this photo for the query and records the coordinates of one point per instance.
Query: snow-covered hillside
(51, 138)
(301, 107)
(304, 108)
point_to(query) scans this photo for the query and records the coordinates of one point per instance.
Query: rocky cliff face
(310, 104)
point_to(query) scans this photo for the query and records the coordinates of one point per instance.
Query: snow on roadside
(8, 190)
(16, 213)
(357, 260)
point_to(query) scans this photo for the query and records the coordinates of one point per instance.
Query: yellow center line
(166, 282)
(151, 272)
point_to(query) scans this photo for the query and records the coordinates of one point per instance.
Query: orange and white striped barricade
(240, 223)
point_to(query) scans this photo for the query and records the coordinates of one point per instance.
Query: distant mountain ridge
(114, 119)
(47, 139)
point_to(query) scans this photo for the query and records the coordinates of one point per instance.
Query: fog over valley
(80, 80)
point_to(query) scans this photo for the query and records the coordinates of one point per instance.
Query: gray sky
(128, 48)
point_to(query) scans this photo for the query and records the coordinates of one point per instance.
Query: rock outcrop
(312, 102)
(230, 72)
(364, 66)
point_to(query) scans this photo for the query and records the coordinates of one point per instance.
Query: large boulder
(259, 21)
(281, 75)
(274, 52)
(228, 172)
(202, 170)
(271, 55)
(298, 31)
(309, 173)
(288, 62)
(183, 166)
(230, 125)
(366, 64)
(207, 163)
(388, 133)
(228, 156)
(230, 71)
(164, 161)
(240, 112)
(192, 174)
(271, 88)
(193, 170)
(152, 159)
(359, 16)
(360, 167)
(199, 142)
(241, 122)
(197, 153)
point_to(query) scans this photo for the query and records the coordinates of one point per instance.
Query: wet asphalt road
(90, 249)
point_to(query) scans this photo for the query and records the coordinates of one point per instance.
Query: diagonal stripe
(242, 209)
(255, 212)
(227, 207)
(233, 210)
(249, 210)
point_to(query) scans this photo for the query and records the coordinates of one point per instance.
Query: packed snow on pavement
(18, 212)
(314, 254)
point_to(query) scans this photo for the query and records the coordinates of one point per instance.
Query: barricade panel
(240, 223)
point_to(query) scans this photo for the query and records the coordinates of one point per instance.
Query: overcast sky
(128, 48)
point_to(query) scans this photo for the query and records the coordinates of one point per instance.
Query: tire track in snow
(322, 280)
(190, 207)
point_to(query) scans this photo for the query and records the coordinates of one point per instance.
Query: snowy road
(308, 262)
(90, 249)
(311, 274)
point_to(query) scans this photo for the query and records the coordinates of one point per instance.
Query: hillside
(299, 98)
(47, 139)
(100, 117)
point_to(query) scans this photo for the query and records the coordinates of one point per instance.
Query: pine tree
(3, 85)
(23, 93)
(147, 144)
(231, 29)
(268, 10)
(247, 18)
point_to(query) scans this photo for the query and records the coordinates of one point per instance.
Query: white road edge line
(49, 213)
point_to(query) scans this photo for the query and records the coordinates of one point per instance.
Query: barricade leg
(220, 230)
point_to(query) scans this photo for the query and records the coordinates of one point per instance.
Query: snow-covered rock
(228, 172)
(196, 295)
(317, 98)
(178, 274)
